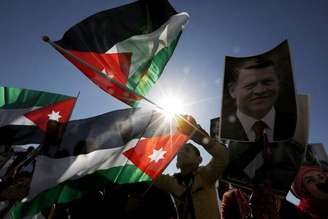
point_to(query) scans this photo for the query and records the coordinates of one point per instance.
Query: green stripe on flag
(74, 189)
(13, 98)
(141, 82)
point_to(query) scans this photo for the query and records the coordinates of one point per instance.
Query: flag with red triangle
(123, 146)
(59, 112)
(24, 114)
(151, 155)
(130, 44)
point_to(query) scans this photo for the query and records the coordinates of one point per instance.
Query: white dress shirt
(247, 122)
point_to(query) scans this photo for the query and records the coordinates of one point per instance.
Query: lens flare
(172, 105)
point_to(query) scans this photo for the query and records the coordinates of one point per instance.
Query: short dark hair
(195, 149)
(251, 64)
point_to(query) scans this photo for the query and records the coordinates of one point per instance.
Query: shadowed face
(255, 91)
(316, 183)
(187, 157)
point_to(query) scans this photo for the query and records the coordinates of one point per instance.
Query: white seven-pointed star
(54, 116)
(157, 155)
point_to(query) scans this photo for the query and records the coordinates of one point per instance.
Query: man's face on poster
(255, 91)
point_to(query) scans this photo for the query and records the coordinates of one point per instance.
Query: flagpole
(52, 211)
(77, 96)
(91, 67)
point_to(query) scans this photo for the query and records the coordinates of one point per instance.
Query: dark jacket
(284, 128)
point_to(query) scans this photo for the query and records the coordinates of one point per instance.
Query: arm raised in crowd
(193, 188)
(215, 168)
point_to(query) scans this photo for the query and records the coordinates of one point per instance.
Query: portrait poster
(248, 167)
(259, 88)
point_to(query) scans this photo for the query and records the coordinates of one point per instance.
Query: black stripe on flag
(20, 135)
(110, 130)
(100, 32)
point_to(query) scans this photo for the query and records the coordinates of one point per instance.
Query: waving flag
(130, 44)
(123, 146)
(24, 114)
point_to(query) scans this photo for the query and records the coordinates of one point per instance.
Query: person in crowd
(261, 203)
(127, 201)
(193, 188)
(311, 187)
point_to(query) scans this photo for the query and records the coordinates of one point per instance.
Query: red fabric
(168, 145)
(297, 187)
(40, 117)
(314, 208)
(116, 65)
(243, 203)
(266, 205)
(230, 207)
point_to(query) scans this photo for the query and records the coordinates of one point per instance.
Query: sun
(172, 105)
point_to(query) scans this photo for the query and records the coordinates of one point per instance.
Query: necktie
(261, 137)
(258, 128)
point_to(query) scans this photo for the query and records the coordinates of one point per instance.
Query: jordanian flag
(130, 44)
(24, 114)
(123, 146)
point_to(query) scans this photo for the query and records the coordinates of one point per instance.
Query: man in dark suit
(255, 88)
(266, 153)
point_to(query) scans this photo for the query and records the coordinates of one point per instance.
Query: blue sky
(216, 29)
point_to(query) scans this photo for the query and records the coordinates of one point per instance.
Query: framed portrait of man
(248, 167)
(277, 154)
(259, 90)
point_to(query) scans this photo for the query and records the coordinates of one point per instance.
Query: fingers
(186, 124)
(186, 118)
(190, 119)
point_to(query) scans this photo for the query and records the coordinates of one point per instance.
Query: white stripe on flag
(144, 47)
(49, 171)
(15, 116)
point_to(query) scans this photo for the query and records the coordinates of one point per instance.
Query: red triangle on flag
(59, 112)
(152, 155)
(115, 65)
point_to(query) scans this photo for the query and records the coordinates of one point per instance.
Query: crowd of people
(191, 193)
(269, 167)
(254, 168)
